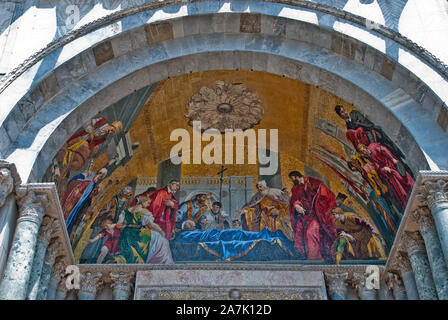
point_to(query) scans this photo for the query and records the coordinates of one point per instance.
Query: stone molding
(419, 51)
(107, 268)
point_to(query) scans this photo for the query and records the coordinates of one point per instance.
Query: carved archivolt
(225, 106)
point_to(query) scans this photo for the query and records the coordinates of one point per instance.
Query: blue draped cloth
(85, 196)
(230, 244)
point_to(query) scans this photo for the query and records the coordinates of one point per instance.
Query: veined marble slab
(220, 284)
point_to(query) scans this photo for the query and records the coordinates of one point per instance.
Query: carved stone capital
(423, 217)
(58, 270)
(358, 280)
(413, 241)
(336, 282)
(47, 228)
(402, 263)
(54, 250)
(31, 205)
(121, 280)
(432, 193)
(90, 282)
(6, 184)
(393, 280)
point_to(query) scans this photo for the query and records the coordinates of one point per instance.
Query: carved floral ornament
(225, 106)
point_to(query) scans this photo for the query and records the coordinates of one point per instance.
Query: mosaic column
(53, 251)
(359, 282)
(396, 285)
(57, 273)
(433, 250)
(435, 196)
(337, 285)
(18, 268)
(403, 266)
(415, 247)
(43, 240)
(121, 284)
(89, 285)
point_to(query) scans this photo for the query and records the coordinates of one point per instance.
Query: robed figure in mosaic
(268, 208)
(310, 205)
(142, 240)
(78, 195)
(164, 207)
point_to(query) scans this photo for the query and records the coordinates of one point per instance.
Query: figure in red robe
(310, 205)
(391, 170)
(164, 208)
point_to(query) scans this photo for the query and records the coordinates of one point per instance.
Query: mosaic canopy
(336, 196)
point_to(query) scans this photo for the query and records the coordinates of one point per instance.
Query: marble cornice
(106, 269)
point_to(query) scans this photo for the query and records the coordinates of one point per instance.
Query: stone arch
(41, 117)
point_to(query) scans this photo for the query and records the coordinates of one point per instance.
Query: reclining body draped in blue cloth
(231, 244)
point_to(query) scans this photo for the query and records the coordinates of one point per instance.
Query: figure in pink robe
(387, 167)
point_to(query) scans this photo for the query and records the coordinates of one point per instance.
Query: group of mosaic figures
(417, 268)
(38, 255)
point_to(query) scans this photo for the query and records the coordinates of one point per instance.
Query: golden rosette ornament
(225, 106)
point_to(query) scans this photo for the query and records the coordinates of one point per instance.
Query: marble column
(359, 282)
(396, 285)
(415, 247)
(433, 250)
(336, 285)
(403, 266)
(17, 273)
(434, 195)
(90, 283)
(43, 241)
(57, 273)
(121, 284)
(61, 290)
(53, 251)
(8, 212)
